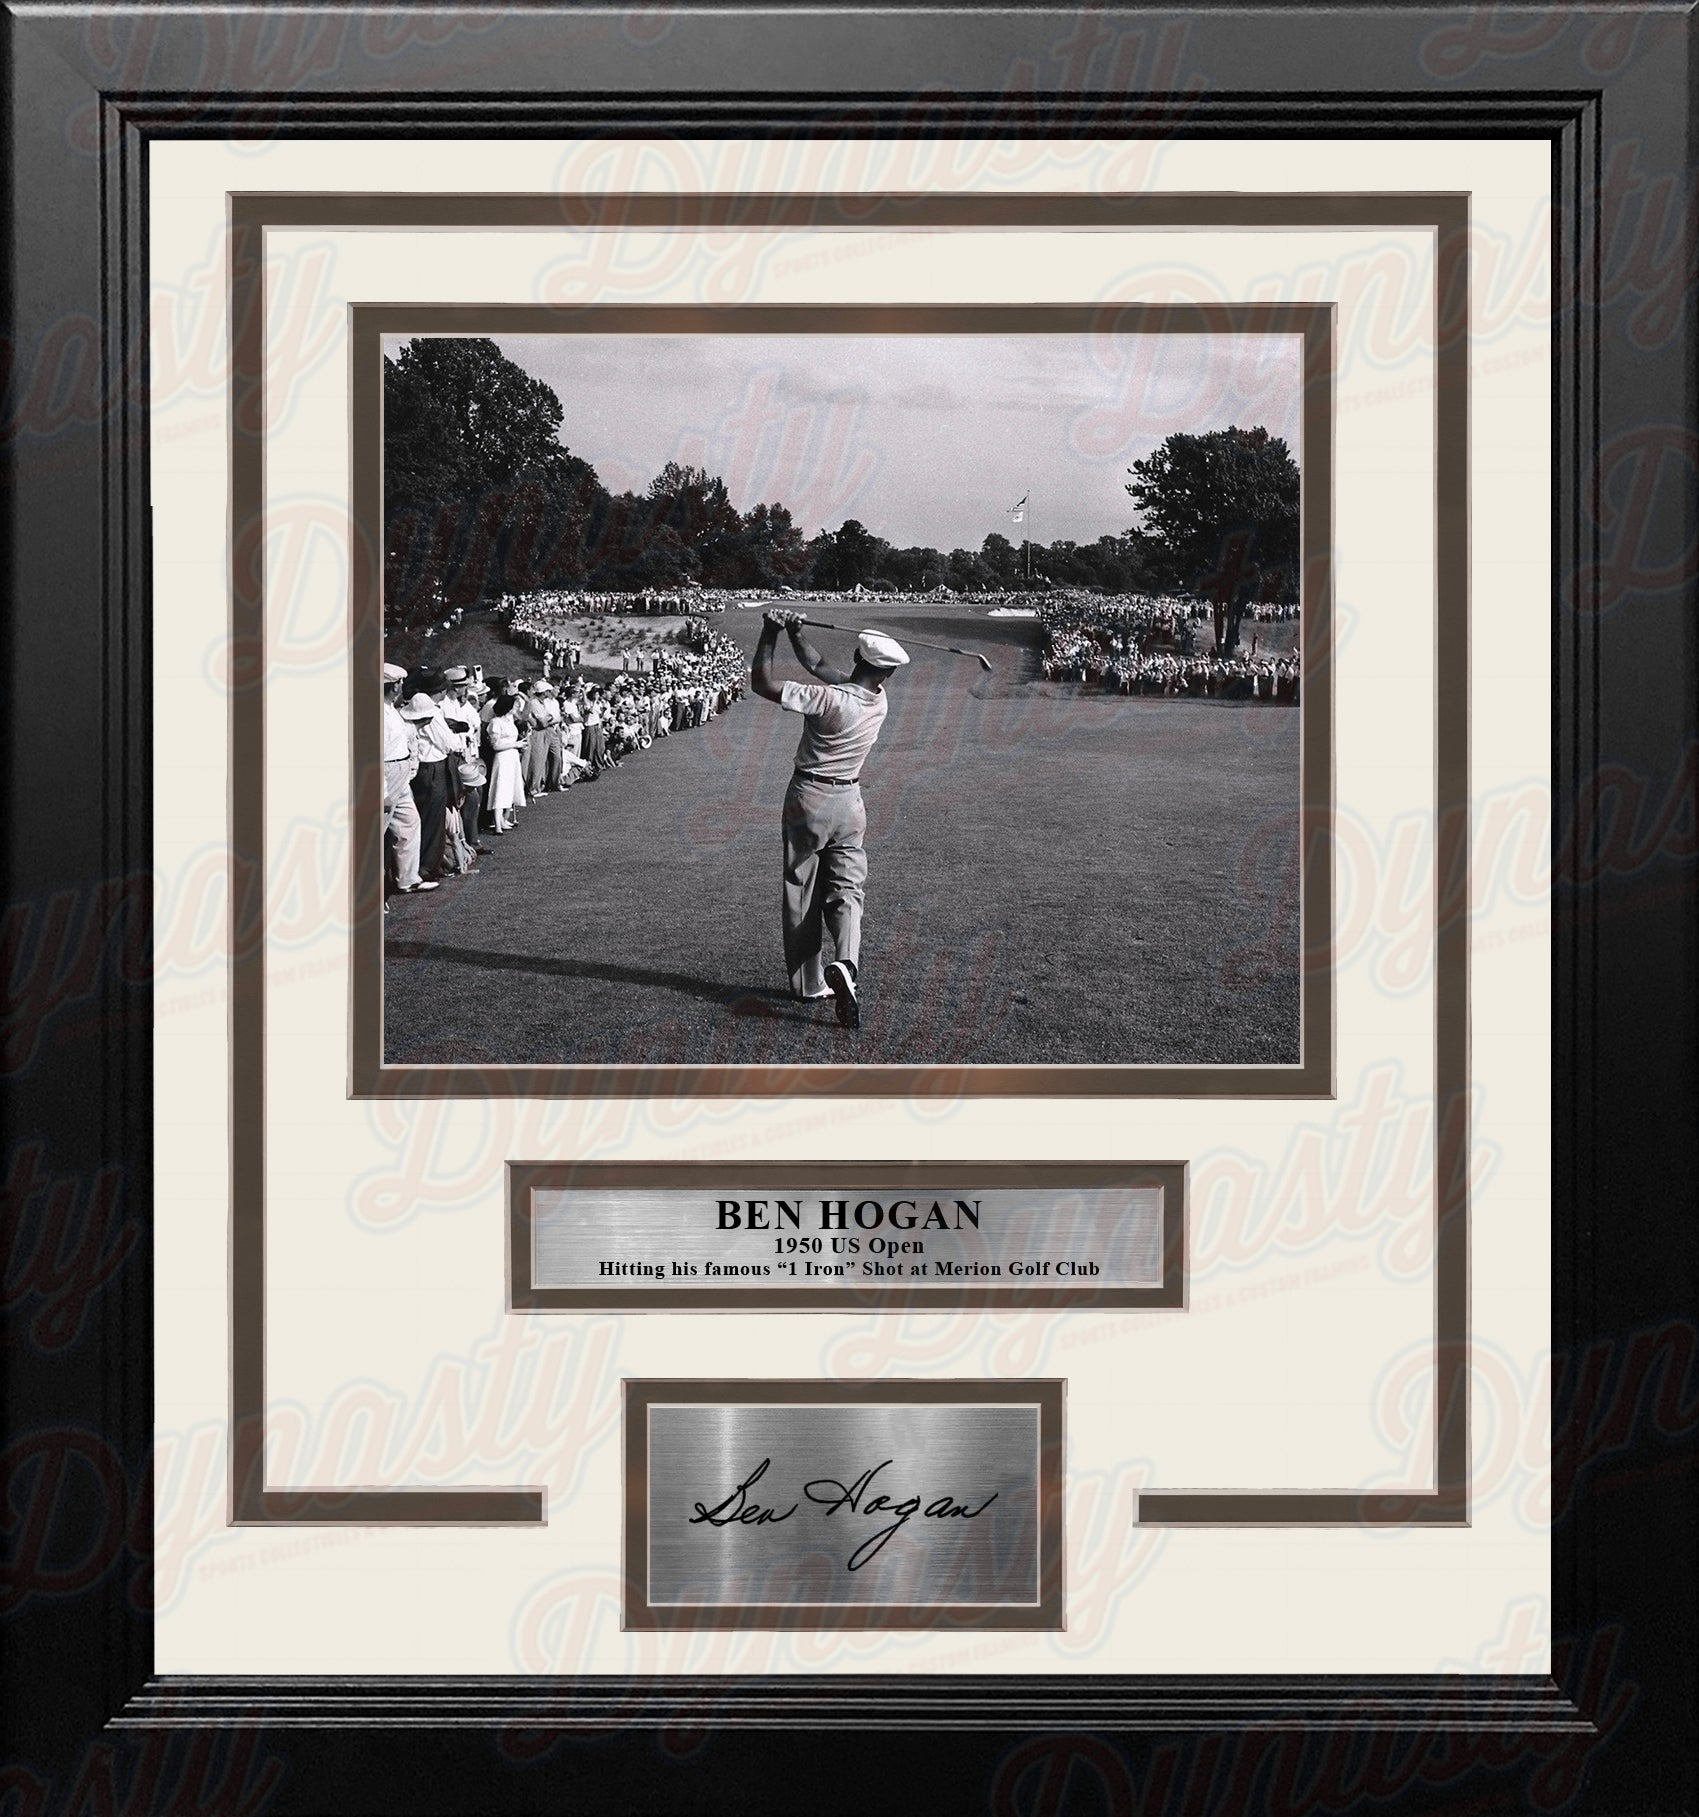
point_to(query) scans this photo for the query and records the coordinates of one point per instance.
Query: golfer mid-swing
(825, 818)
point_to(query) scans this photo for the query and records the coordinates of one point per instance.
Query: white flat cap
(882, 651)
(393, 671)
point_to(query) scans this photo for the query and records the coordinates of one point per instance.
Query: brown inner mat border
(1447, 215)
(1313, 1077)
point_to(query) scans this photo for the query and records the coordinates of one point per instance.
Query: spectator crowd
(1142, 645)
(555, 625)
(463, 755)
(536, 611)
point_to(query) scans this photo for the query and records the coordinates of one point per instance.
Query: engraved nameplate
(876, 1504)
(629, 1237)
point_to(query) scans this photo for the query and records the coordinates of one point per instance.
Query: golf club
(826, 624)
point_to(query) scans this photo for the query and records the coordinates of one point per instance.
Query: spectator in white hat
(410, 876)
(400, 811)
(825, 820)
(457, 853)
(542, 762)
(460, 714)
(571, 736)
(434, 745)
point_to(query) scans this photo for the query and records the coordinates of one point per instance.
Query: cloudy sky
(925, 439)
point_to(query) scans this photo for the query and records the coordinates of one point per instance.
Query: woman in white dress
(507, 782)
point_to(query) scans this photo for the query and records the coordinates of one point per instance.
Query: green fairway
(1056, 874)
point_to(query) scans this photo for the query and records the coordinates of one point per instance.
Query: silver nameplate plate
(629, 1236)
(878, 1504)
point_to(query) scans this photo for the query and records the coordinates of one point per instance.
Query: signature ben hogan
(739, 1509)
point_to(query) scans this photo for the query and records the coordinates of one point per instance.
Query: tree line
(481, 498)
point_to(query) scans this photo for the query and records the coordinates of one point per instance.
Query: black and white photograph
(844, 698)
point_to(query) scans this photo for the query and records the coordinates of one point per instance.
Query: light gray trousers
(825, 879)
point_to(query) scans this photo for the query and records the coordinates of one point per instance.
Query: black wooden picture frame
(88, 1725)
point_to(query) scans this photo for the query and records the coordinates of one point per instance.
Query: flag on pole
(1017, 511)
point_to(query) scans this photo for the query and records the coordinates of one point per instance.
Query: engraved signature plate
(837, 1504)
(631, 1237)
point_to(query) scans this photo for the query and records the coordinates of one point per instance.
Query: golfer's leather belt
(831, 782)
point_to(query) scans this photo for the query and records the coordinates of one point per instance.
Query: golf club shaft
(920, 643)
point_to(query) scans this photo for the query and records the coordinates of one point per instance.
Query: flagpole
(1018, 511)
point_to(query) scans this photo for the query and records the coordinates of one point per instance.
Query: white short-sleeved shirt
(397, 740)
(436, 742)
(840, 723)
(504, 734)
(461, 718)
